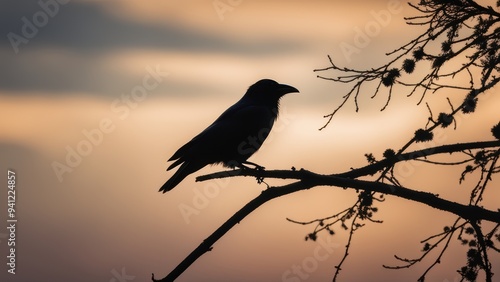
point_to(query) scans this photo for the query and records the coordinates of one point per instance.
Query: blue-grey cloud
(32, 73)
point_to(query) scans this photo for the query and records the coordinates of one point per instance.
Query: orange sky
(105, 216)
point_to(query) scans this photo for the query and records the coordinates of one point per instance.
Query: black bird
(235, 135)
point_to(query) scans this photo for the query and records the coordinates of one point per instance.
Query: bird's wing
(233, 127)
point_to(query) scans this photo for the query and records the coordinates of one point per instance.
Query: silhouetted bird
(235, 135)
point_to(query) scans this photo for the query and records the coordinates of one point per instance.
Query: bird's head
(268, 90)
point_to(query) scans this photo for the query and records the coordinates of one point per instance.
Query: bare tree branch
(309, 180)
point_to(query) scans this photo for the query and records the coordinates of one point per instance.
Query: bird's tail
(184, 170)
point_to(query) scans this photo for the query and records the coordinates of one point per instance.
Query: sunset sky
(95, 96)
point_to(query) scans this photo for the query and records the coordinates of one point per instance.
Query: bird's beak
(285, 89)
